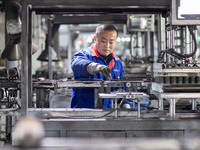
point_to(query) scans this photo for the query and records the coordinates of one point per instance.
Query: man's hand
(94, 68)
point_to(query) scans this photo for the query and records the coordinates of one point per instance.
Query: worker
(96, 62)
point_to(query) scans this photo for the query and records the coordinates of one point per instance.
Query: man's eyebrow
(107, 39)
(104, 38)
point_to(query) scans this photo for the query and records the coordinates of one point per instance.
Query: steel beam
(97, 3)
(118, 6)
(59, 19)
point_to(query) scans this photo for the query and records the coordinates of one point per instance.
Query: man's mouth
(106, 50)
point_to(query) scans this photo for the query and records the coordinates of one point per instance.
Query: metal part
(140, 22)
(111, 144)
(75, 19)
(160, 70)
(71, 7)
(96, 6)
(89, 122)
(175, 78)
(174, 97)
(194, 106)
(83, 113)
(125, 95)
(44, 54)
(3, 73)
(175, 20)
(130, 128)
(12, 52)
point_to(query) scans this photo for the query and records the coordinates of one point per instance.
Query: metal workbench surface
(114, 144)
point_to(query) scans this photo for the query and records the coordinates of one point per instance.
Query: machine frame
(125, 127)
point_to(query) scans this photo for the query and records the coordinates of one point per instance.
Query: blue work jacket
(84, 97)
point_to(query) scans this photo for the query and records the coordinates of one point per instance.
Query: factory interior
(159, 45)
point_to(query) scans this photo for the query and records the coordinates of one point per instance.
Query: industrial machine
(159, 54)
(176, 72)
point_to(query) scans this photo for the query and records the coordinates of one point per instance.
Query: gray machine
(167, 76)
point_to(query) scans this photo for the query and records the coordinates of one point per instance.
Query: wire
(172, 51)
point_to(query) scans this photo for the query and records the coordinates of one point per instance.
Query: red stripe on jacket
(94, 51)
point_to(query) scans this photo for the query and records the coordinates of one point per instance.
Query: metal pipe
(182, 40)
(115, 108)
(139, 111)
(194, 104)
(26, 83)
(112, 103)
(148, 44)
(159, 33)
(132, 44)
(172, 108)
(160, 103)
(30, 90)
(69, 51)
(96, 98)
(133, 102)
(50, 49)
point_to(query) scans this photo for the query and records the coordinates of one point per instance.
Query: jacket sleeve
(79, 65)
(122, 69)
(122, 73)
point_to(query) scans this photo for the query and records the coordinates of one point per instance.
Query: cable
(172, 51)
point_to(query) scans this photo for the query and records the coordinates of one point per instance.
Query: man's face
(105, 42)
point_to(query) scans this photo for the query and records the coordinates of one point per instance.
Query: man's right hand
(94, 68)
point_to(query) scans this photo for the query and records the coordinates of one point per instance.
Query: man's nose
(107, 44)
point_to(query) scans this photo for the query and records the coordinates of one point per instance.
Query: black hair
(107, 27)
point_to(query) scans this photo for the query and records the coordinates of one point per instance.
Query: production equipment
(157, 46)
